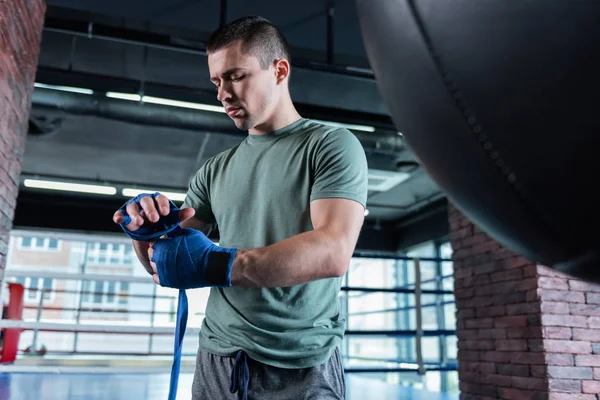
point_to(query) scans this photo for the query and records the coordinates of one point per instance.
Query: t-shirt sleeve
(198, 196)
(340, 168)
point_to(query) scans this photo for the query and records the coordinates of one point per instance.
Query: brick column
(21, 23)
(524, 331)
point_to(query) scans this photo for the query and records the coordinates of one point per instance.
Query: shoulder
(332, 139)
(323, 136)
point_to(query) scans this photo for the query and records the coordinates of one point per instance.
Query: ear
(282, 69)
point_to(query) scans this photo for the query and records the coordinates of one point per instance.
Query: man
(289, 202)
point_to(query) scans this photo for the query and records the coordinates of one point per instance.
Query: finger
(155, 279)
(133, 210)
(118, 217)
(150, 253)
(186, 213)
(162, 203)
(153, 265)
(149, 208)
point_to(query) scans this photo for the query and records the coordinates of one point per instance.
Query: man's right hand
(152, 209)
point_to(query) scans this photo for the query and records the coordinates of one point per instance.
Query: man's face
(247, 91)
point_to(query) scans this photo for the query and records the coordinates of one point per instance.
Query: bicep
(341, 219)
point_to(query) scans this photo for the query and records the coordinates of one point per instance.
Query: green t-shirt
(259, 193)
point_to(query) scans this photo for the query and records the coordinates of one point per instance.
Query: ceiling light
(366, 212)
(124, 96)
(131, 192)
(183, 104)
(213, 108)
(165, 102)
(63, 88)
(353, 127)
(69, 187)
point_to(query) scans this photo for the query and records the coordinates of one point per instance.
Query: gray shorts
(213, 379)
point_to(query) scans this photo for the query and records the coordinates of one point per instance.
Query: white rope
(83, 369)
(83, 328)
(91, 237)
(78, 277)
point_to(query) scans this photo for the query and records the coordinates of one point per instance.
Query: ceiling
(156, 49)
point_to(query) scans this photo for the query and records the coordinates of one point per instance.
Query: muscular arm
(324, 252)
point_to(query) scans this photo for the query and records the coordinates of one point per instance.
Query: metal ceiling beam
(92, 30)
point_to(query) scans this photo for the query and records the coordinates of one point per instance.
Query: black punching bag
(500, 101)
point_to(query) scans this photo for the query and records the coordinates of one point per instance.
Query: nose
(223, 93)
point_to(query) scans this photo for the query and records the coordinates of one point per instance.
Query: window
(396, 311)
(34, 287)
(38, 243)
(110, 254)
(104, 293)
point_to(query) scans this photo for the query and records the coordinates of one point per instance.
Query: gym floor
(108, 386)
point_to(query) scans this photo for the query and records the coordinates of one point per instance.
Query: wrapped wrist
(188, 259)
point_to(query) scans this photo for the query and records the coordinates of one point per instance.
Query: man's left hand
(187, 259)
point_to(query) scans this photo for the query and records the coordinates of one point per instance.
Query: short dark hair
(258, 35)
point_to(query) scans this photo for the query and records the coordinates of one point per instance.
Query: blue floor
(103, 386)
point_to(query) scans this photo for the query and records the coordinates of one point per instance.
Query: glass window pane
(47, 286)
(110, 296)
(450, 315)
(124, 291)
(85, 289)
(372, 311)
(372, 273)
(430, 347)
(446, 250)
(98, 291)
(33, 285)
(452, 347)
(53, 244)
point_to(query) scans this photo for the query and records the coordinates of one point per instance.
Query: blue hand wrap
(187, 259)
(165, 224)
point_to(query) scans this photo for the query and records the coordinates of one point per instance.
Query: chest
(270, 180)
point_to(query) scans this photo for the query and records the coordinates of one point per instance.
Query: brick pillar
(21, 23)
(524, 331)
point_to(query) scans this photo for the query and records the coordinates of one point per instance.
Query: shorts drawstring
(240, 376)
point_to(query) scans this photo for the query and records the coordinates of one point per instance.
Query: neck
(284, 115)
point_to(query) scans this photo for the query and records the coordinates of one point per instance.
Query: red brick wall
(21, 23)
(524, 330)
(498, 318)
(571, 320)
